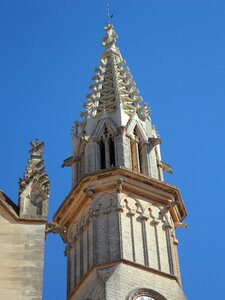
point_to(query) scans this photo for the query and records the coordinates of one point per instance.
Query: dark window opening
(39, 209)
(102, 154)
(112, 152)
(140, 157)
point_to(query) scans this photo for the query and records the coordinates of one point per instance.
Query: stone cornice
(151, 188)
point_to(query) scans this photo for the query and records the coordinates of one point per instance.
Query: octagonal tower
(120, 215)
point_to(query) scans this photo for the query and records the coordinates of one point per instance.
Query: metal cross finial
(109, 15)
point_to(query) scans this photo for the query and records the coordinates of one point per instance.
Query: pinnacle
(35, 168)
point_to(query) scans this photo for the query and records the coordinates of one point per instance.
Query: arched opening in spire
(112, 152)
(107, 148)
(102, 154)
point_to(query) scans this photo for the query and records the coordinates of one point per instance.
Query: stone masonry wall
(21, 259)
(127, 278)
(111, 228)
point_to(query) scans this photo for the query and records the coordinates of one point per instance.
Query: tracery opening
(107, 149)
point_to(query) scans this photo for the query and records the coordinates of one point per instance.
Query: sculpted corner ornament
(54, 227)
(181, 225)
(154, 141)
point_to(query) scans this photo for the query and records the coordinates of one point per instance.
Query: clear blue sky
(176, 52)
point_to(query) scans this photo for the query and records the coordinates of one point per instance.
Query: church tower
(120, 216)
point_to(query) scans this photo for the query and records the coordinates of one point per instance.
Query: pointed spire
(113, 86)
(35, 169)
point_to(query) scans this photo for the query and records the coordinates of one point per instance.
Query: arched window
(107, 149)
(102, 154)
(112, 152)
(144, 293)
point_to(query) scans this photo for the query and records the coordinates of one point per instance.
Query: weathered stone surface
(34, 187)
(134, 223)
(21, 258)
(122, 281)
(22, 233)
(120, 215)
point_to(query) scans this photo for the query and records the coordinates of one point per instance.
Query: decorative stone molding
(120, 208)
(132, 212)
(167, 208)
(155, 222)
(144, 216)
(145, 292)
(99, 128)
(130, 130)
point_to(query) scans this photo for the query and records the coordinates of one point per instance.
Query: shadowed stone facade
(120, 217)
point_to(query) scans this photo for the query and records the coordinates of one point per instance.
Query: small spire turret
(34, 186)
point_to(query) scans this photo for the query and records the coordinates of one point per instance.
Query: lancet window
(107, 148)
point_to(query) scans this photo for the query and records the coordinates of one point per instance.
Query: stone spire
(113, 86)
(34, 186)
(116, 130)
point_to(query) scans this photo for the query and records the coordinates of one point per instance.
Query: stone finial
(34, 186)
(36, 150)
